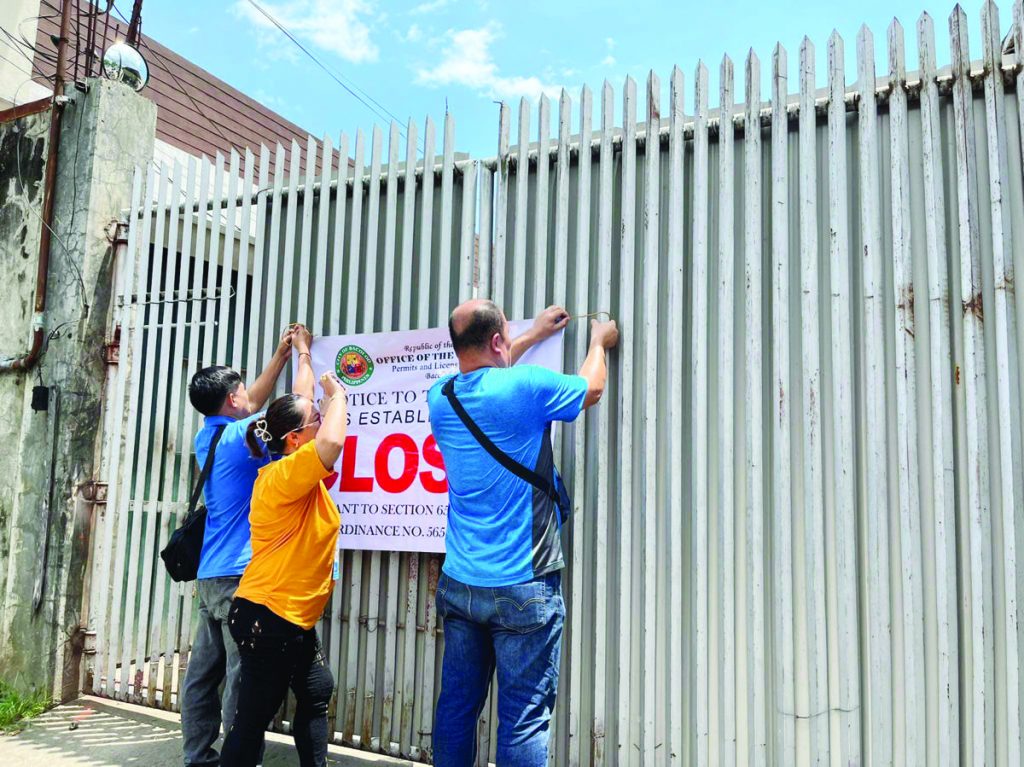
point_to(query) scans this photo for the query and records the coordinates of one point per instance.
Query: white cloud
(415, 34)
(338, 26)
(608, 61)
(267, 100)
(430, 6)
(610, 42)
(467, 61)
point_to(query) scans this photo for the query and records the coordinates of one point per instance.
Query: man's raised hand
(605, 334)
(550, 321)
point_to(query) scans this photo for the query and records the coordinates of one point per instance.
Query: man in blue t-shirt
(219, 394)
(500, 592)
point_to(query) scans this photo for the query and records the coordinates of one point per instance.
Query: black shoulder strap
(510, 463)
(206, 470)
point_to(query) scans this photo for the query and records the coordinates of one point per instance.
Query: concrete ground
(112, 734)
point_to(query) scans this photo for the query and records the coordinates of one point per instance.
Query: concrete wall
(22, 167)
(105, 133)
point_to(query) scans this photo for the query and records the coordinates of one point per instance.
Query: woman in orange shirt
(291, 576)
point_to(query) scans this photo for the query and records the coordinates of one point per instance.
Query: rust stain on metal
(433, 575)
(94, 491)
(350, 715)
(906, 304)
(975, 307)
(597, 741)
(112, 350)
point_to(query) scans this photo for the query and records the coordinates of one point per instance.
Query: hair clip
(262, 431)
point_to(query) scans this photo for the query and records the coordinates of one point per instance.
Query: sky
(425, 57)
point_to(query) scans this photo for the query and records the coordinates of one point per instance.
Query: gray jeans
(214, 660)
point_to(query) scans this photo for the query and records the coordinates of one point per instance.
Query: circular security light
(125, 64)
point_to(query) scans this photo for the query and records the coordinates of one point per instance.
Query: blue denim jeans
(516, 630)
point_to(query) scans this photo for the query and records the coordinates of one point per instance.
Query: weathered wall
(106, 131)
(22, 166)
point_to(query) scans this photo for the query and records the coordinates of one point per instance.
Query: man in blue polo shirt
(500, 592)
(219, 394)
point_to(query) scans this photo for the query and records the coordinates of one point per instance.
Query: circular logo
(354, 366)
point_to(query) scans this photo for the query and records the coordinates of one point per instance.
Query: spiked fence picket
(798, 506)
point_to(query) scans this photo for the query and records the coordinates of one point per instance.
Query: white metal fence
(799, 506)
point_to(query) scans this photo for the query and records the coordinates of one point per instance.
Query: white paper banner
(390, 483)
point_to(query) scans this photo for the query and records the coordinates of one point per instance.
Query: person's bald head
(473, 325)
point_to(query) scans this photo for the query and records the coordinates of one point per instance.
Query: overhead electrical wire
(50, 56)
(354, 90)
(12, 63)
(170, 72)
(381, 111)
(17, 45)
(25, 48)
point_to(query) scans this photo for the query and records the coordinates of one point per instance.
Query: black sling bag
(554, 490)
(181, 555)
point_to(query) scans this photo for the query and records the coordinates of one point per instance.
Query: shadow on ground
(94, 733)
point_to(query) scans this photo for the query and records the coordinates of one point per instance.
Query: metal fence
(213, 278)
(799, 506)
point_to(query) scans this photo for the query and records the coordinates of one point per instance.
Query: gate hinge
(119, 232)
(89, 646)
(112, 349)
(94, 491)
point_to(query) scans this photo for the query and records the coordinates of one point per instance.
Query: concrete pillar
(106, 132)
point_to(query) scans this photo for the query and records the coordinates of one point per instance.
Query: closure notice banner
(390, 482)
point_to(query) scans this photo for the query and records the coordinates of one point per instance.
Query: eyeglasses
(314, 422)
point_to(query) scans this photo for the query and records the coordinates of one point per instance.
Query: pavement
(95, 732)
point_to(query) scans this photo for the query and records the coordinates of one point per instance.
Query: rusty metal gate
(219, 257)
(798, 508)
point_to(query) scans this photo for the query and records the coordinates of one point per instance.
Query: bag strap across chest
(205, 473)
(543, 484)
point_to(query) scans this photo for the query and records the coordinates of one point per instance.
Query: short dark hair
(210, 387)
(487, 320)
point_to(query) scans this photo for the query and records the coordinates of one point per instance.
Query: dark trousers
(213, 660)
(277, 655)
